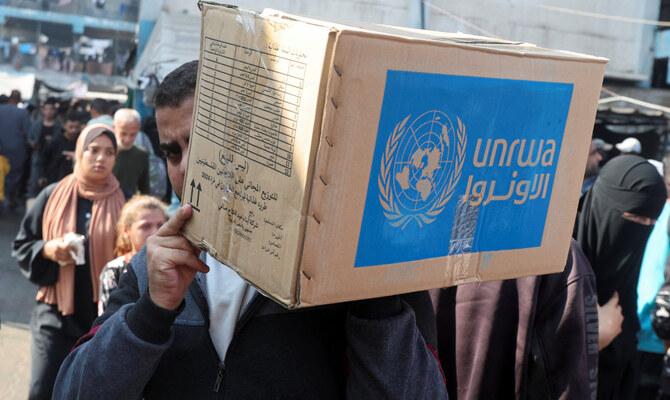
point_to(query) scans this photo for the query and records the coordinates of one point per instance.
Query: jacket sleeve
(26, 125)
(46, 153)
(563, 360)
(34, 133)
(28, 244)
(132, 332)
(390, 349)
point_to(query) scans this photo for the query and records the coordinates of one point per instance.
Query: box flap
(457, 39)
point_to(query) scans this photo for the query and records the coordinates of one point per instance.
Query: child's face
(145, 225)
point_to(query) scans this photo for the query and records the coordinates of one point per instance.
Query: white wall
(393, 12)
(629, 46)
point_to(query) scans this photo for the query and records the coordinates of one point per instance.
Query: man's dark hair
(79, 105)
(3, 99)
(74, 115)
(100, 106)
(51, 101)
(114, 106)
(15, 96)
(177, 86)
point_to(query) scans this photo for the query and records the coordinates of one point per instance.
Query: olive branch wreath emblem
(391, 211)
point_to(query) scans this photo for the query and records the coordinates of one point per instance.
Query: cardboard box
(329, 163)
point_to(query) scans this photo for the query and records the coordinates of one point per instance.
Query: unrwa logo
(420, 168)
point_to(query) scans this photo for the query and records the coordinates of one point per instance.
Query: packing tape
(247, 19)
(465, 263)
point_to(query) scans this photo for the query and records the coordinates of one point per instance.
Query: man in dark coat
(42, 133)
(57, 156)
(13, 143)
(174, 330)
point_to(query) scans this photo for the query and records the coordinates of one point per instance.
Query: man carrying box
(182, 325)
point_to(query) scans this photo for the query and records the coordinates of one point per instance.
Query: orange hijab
(60, 217)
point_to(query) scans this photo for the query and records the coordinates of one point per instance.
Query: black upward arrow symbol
(197, 201)
(192, 187)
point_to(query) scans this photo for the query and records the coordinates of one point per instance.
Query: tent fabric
(174, 40)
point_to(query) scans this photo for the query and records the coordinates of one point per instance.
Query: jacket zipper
(219, 377)
(221, 372)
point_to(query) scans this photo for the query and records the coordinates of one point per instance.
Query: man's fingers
(183, 258)
(173, 242)
(174, 224)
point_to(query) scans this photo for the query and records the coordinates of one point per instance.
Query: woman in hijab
(617, 217)
(87, 202)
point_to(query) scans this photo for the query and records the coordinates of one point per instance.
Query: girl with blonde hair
(140, 218)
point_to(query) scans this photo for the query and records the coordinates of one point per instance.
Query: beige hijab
(60, 217)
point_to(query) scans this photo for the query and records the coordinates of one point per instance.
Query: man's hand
(610, 319)
(58, 251)
(172, 262)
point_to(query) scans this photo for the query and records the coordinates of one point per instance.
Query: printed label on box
(461, 164)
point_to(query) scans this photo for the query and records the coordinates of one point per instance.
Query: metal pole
(422, 7)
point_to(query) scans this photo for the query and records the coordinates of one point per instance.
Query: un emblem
(420, 168)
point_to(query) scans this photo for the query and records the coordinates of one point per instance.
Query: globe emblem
(423, 162)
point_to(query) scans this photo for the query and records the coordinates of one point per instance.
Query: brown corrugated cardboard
(329, 163)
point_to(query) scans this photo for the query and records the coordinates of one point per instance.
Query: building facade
(66, 41)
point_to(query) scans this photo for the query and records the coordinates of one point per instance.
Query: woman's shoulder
(38, 204)
(46, 192)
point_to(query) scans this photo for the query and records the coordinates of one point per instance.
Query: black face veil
(613, 244)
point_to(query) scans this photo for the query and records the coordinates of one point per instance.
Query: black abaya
(614, 245)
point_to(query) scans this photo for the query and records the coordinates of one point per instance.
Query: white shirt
(228, 296)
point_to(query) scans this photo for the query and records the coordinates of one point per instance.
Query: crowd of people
(128, 308)
(76, 163)
(37, 147)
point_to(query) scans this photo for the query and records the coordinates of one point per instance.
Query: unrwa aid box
(330, 163)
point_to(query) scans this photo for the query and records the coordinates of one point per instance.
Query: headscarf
(60, 217)
(613, 244)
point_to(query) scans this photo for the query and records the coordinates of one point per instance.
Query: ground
(17, 296)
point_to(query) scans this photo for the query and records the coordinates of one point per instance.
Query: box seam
(444, 43)
(318, 135)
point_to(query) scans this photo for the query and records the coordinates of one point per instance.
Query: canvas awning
(174, 40)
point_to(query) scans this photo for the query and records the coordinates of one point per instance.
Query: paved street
(16, 300)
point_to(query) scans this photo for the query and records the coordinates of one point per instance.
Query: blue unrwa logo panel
(461, 164)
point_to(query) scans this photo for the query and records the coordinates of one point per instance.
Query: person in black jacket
(42, 133)
(190, 327)
(57, 156)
